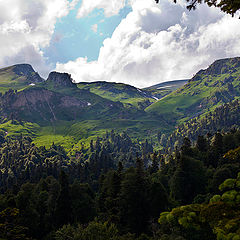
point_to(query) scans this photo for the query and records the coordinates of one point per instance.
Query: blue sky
(137, 42)
(74, 37)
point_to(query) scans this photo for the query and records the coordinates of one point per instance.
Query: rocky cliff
(63, 80)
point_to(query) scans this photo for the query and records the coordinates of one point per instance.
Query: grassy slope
(8, 79)
(198, 95)
(122, 92)
(73, 133)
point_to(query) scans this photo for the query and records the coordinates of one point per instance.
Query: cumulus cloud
(27, 27)
(155, 43)
(110, 8)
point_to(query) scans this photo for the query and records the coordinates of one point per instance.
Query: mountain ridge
(172, 85)
(66, 110)
(207, 90)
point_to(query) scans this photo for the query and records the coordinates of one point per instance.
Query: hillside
(223, 119)
(18, 77)
(169, 85)
(56, 110)
(55, 99)
(127, 94)
(209, 88)
(76, 165)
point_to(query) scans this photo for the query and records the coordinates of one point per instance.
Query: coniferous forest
(120, 189)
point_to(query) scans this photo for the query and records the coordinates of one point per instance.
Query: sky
(137, 42)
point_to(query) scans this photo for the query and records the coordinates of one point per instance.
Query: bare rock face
(28, 71)
(60, 80)
(41, 105)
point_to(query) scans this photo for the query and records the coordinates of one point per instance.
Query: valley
(61, 111)
(66, 113)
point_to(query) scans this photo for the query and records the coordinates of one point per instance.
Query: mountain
(208, 89)
(127, 94)
(57, 98)
(57, 110)
(58, 80)
(18, 77)
(169, 85)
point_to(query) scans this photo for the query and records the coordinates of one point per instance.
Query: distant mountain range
(170, 85)
(59, 110)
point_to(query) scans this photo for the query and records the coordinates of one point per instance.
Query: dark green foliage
(158, 196)
(10, 228)
(219, 219)
(63, 212)
(134, 201)
(96, 196)
(201, 144)
(188, 180)
(225, 117)
(83, 204)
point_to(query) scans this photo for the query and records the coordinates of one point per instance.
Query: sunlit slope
(18, 77)
(124, 93)
(56, 110)
(209, 88)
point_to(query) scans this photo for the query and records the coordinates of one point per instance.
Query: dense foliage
(22, 161)
(223, 118)
(98, 194)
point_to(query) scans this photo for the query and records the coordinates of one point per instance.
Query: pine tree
(63, 209)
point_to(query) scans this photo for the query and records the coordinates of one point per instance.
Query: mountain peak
(60, 80)
(221, 66)
(28, 71)
(23, 68)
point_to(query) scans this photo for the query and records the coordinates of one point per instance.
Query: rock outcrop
(63, 80)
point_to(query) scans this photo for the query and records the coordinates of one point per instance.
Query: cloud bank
(110, 8)
(27, 28)
(155, 43)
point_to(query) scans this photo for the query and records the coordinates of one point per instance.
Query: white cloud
(94, 28)
(28, 26)
(160, 42)
(110, 8)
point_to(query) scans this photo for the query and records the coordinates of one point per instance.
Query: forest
(120, 189)
(222, 118)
